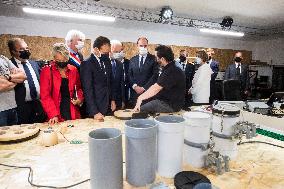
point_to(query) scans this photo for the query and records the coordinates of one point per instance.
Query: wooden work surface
(258, 166)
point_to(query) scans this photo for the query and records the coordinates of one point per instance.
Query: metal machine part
(218, 162)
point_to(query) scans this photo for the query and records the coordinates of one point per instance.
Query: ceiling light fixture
(222, 32)
(68, 14)
(166, 14)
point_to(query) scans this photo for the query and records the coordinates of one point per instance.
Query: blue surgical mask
(198, 60)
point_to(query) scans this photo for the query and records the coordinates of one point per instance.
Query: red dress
(51, 102)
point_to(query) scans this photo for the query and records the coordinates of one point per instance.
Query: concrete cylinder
(105, 153)
(141, 151)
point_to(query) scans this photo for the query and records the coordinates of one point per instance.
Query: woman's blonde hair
(60, 48)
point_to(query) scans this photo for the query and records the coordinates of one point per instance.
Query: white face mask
(143, 51)
(80, 45)
(118, 56)
(198, 60)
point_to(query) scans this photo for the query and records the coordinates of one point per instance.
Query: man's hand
(139, 90)
(76, 102)
(138, 105)
(112, 105)
(15, 71)
(99, 117)
(53, 120)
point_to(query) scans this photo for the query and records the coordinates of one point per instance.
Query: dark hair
(203, 55)
(181, 51)
(12, 44)
(142, 38)
(100, 41)
(166, 52)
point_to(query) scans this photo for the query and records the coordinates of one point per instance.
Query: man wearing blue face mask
(75, 42)
(96, 78)
(200, 89)
(117, 73)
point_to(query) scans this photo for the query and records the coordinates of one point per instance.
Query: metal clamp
(202, 146)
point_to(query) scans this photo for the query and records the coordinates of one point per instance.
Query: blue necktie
(113, 68)
(33, 92)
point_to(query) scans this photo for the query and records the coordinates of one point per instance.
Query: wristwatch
(8, 77)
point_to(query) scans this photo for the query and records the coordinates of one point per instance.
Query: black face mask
(25, 54)
(238, 59)
(61, 64)
(182, 58)
(105, 57)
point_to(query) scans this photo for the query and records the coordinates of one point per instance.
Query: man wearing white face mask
(75, 42)
(143, 70)
(116, 56)
(200, 89)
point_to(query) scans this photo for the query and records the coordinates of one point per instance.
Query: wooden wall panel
(41, 49)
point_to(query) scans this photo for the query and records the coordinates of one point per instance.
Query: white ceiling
(250, 13)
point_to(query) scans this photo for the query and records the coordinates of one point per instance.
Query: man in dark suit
(75, 42)
(29, 108)
(96, 78)
(143, 70)
(239, 71)
(214, 65)
(118, 74)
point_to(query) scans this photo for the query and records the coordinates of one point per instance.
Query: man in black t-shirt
(168, 92)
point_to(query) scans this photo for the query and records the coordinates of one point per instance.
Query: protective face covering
(118, 56)
(238, 59)
(80, 45)
(198, 60)
(104, 57)
(25, 54)
(62, 64)
(143, 51)
(182, 58)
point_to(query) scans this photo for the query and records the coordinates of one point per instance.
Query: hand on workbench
(138, 105)
(53, 120)
(113, 105)
(98, 116)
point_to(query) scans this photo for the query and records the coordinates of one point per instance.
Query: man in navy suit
(239, 71)
(214, 65)
(143, 70)
(96, 78)
(29, 108)
(118, 74)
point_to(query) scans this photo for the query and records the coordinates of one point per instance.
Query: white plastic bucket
(170, 145)
(197, 130)
(225, 116)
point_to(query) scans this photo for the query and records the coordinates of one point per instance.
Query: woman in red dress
(61, 94)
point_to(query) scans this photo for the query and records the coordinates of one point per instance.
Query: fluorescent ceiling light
(68, 14)
(222, 32)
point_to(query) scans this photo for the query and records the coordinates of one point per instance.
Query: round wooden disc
(123, 114)
(17, 133)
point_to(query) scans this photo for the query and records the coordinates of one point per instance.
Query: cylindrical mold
(197, 134)
(141, 151)
(225, 116)
(170, 145)
(105, 152)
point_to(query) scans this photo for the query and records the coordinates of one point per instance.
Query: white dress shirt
(239, 67)
(28, 95)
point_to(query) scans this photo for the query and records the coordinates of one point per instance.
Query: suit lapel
(14, 62)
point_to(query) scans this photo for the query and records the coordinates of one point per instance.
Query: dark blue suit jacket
(126, 79)
(215, 68)
(231, 73)
(118, 84)
(145, 76)
(97, 86)
(20, 89)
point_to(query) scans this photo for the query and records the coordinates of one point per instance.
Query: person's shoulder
(133, 58)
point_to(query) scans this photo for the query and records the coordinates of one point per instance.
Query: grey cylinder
(141, 151)
(105, 153)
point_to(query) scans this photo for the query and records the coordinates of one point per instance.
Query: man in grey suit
(143, 70)
(239, 71)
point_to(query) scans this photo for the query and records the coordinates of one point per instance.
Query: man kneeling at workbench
(168, 92)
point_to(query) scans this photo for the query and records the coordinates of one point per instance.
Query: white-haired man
(75, 42)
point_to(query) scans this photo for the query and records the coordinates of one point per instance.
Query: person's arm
(80, 97)
(46, 87)
(6, 85)
(152, 91)
(132, 80)
(154, 77)
(18, 76)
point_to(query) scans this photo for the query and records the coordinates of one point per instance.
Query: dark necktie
(141, 62)
(113, 68)
(33, 92)
(238, 71)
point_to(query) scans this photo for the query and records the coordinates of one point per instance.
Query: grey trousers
(156, 106)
